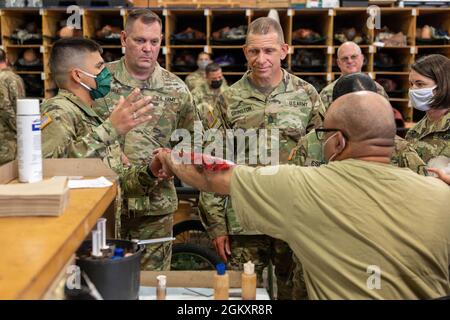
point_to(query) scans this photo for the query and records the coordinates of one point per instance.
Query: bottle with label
(221, 283)
(248, 282)
(161, 289)
(29, 147)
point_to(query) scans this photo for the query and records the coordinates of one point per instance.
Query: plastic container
(248, 282)
(221, 283)
(29, 146)
(161, 289)
(115, 279)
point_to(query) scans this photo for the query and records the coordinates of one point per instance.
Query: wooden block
(145, 3)
(179, 3)
(272, 4)
(217, 3)
(247, 3)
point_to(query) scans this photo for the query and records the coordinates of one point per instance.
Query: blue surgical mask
(102, 81)
(421, 98)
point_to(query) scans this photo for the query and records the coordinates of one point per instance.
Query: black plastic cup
(115, 279)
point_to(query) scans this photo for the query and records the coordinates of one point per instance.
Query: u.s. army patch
(45, 120)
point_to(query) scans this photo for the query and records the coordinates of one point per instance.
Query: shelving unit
(324, 21)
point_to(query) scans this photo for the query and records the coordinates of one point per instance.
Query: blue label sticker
(36, 126)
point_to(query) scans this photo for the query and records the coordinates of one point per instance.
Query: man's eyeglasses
(322, 132)
(353, 57)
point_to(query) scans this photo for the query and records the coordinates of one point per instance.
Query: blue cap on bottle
(118, 252)
(220, 267)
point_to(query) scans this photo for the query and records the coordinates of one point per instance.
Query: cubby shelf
(324, 21)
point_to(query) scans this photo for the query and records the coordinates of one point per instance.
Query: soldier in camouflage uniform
(11, 89)
(205, 96)
(309, 153)
(72, 129)
(430, 137)
(349, 60)
(149, 216)
(309, 150)
(267, 97)
(198, 77)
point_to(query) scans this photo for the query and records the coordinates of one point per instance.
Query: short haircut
(145, 15)
(2, 56)
(265, 25)
(437, 68)
(212, 67)
(353, 82)
(67, 54)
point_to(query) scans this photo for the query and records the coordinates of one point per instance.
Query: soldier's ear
(284, 50)
(75, 75)
(123, 38)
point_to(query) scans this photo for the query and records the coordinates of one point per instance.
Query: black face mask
(215, 84)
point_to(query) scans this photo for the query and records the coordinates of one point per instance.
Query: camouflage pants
(157, 256)
(298, 280)
(262, 249)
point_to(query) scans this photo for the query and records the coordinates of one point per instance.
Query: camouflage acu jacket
(292, 108)
(11, 88)
(309, 152)
(205, 101)
(173, 109)
(70, 129)
(431, 139)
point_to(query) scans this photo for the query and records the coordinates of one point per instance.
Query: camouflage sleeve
(7, 145)
(380, 90)
(197, 100)
(11, 91)
(189, 83)
(316, 119)
(222, 106)
(325, 97)
(211, 206)
(406, 157)
(189, 115)
(60, 139)
(298, 154)
(212, 214)
(414, 162)
(135, 180)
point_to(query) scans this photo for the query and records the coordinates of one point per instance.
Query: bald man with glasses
(349, 60)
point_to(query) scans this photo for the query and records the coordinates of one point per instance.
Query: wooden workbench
(34, 250)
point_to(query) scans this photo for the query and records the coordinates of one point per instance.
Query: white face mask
(323, 149)
(202, 64)
(421, 98)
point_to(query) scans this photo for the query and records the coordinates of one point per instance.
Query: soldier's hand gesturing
(131, 112)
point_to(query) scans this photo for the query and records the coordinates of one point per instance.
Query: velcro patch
(45, 120)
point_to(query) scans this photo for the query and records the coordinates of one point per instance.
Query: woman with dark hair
(429, 91)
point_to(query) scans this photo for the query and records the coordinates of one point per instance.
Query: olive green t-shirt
(352, 221)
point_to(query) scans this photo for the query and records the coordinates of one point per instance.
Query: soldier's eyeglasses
(322, 132)
(353, 57)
